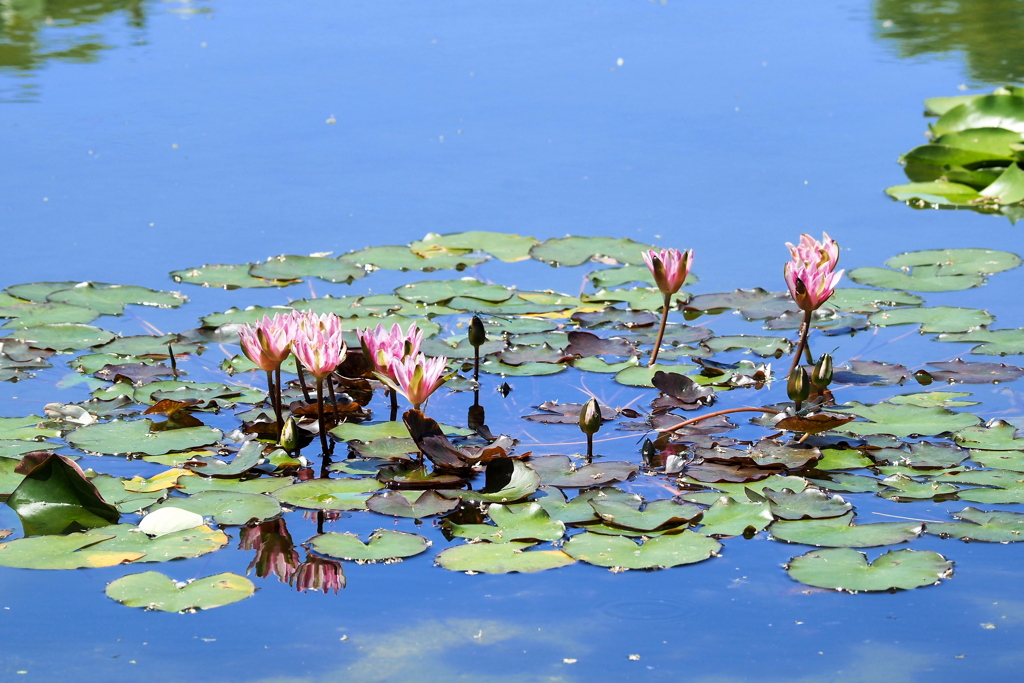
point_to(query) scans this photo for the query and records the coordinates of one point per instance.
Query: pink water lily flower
(382, 348)
(669, 268)
(319, 352)
(810, 275)
(267, 342)
(416, 377)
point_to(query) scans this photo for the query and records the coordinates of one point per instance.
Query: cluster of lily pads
(974, 157)
(666, 498)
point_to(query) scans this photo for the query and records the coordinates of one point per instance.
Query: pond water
(147, 137)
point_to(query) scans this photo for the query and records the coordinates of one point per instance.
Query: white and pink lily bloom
(308, 321)
(318, 351)
(669, 268)
(416, 377)
(267, 342)
(810, 275)
(383, 348)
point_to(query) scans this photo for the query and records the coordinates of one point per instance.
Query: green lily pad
(529, 522)
(905, 420)
(74, 551)
(902, 487)
(388, 447)
(227, 508)
(38, 291)
(994, 436)
(657, 514)
(154, 591)
(993, 141)
(934, 319)
(329, 494)
(949, 262)
(932, 399)
(191, 485)
(15, 448)
(775, 482)
(32, 313)
(178, 545)
(923, 279)
(848, 300)
(289, 267)
(841, 532)
(987, 111)
(623, 275)
(643, 376)
(842, 459)
(810, 503)
(247, 457)
(383, 546)
(238, 316)
(848, 483)
(844, 569)
(113, 491)
(402, 258)
(598, 364)
(923, 454)
(522, 482)
(55, 497)
(526, 369)
(221, 395)
(1002, 460)
(226, 276)
(730, 517)
(28, 428)
(559, 470)
(413, 504)
(656, 553)
(368, 432)
(980, 525)
(990, 342)
(501, 558)
(761, 346)
(438, 291)
(63, 336)
(111, 299)
(122, 437)
(578, 509)
(575, 251)
(1008, 188)
(509, 248)
(144, 344)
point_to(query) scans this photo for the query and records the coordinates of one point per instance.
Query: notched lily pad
(154, 591)
(841, 532)
(979, 525)
(289, 267)
(576, 250)
(382, 546)
(501, 558)
(848, 570)
(661, 552)
(413, 504)
(559, 470)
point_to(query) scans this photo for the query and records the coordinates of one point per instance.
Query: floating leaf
(382, 546)
(228, 508)
(63, 336)
(730, 517)
(871, 372)
(559, 470)
(848, 570)
(501, 558)
(965, 372)
(111, 299)
(287, 267)
(75, 551)
(905, 420)
(841, 532)
(656, 553)
(122, 437)
(169, 520)
(176, 545)
(923, 454)
(55, 497)
(810, 503)
(524, 369)
(842, 459)
(402, 258)
(991, 342)
(329, 494)
(507, 480)
(980, 525)
(154, 591)
(994, 436)
(575, 251)
(657, 514)
(414, 504)
(987, 111)
(923, 279)
(902, 487)
(935, 319)
(247, 457)
(762, 346)
(529, 522)
(643, 376)
(226, 277)
(931, 399)
(32, 313)
(500, 245)
(28, 428)
(438, 291)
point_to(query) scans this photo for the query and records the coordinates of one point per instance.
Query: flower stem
(276, 399)
(699, 418)
(334, 398)
(476, 363)
(394, 404)
(590, 447)
(661, 331)
(320, 413)
(805, 329)
(302, 380)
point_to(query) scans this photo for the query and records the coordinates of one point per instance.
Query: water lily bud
(590, 417)
(822, 375)
(799, 387)
(477, 334)
(289, 437)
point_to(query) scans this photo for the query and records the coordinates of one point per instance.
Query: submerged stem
(320, 413)
(694, 420)
(805, 329)
(661, 330)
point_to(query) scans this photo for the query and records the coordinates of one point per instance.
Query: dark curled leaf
(711, 472)
(871, 372)
(432, 442)
(585, 344)
(813, 424)
(179, 414)
(55, 497)
(680, 392)
(963, 372)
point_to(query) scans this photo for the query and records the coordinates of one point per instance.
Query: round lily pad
(415, 504)
(529, 522)
(575, 251)
(656, 553)
(227, 507)
(287, 267)
(74, 551)
(934, 319)
(500, 245)
(402, 258)
(979, 525)
(501, 558)
(177, 545)
(63, 336)
(383, 546)
(730, 517)
(841, 532)
(154, 591)
(848, 570)
(226, 276)
(329, 494)
(122, 437)
(32, 313)
(111, 299)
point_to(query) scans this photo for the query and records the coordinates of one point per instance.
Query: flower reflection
(319, 574)
(275, 552)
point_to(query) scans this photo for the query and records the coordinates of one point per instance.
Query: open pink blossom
(382, 348)
(267, 342)
(307, 321)
(669, 268)
(810, 275)
(319, 351)
(416, 377)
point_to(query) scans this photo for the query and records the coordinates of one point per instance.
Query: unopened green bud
(799, 387)
(477, 334)
(590, 417)
(822, 375)
(289, 436)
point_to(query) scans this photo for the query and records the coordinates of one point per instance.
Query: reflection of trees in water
(990, 33)
(34, 32)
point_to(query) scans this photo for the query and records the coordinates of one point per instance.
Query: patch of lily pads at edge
(543, 510)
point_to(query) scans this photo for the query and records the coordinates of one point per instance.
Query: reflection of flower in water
(328, 515)
(275, 552)
(319, 573)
